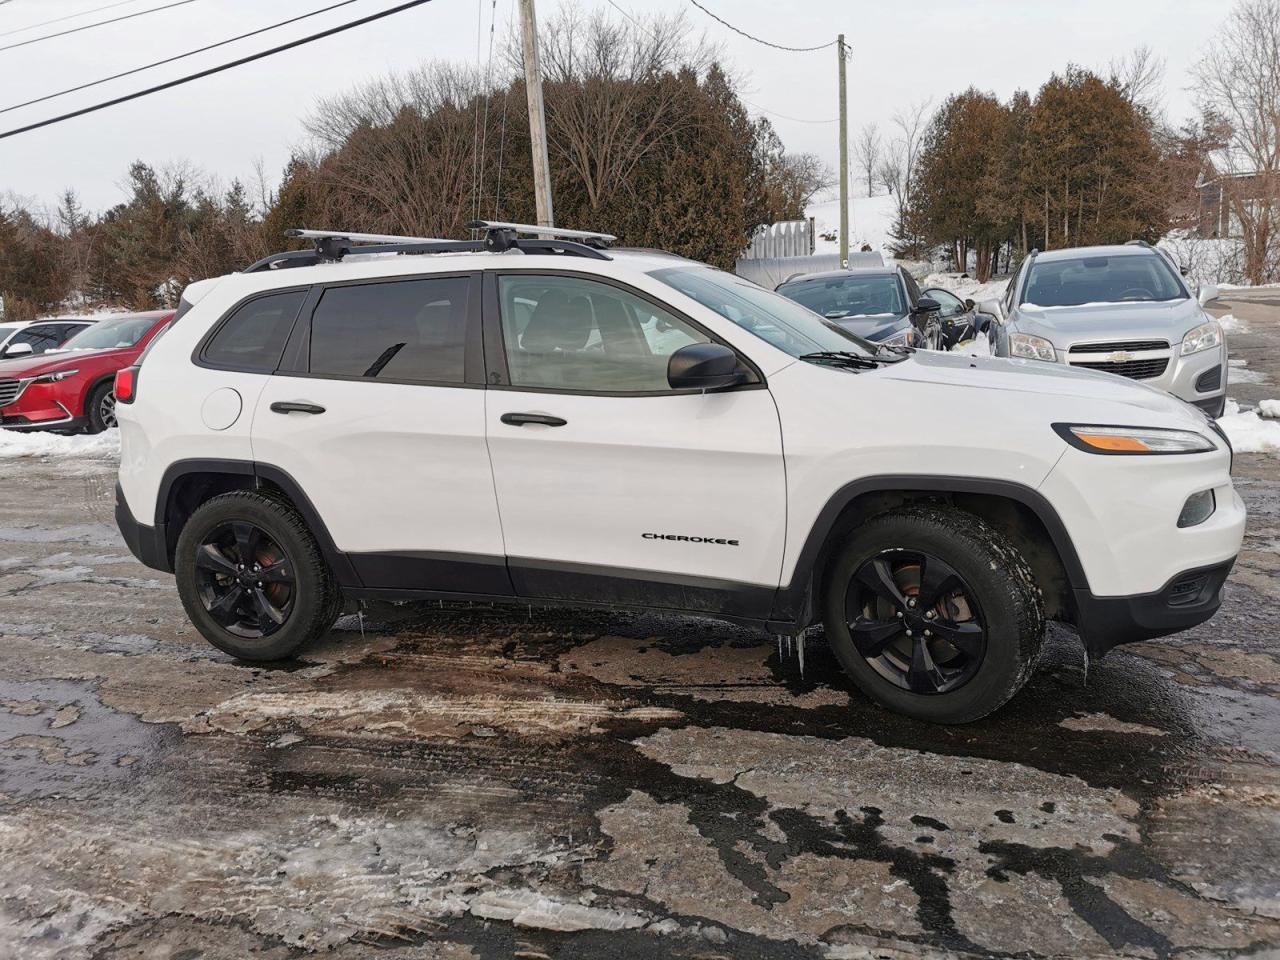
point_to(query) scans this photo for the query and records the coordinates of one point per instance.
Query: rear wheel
(252, 578)
(934, 614)
(100, 408)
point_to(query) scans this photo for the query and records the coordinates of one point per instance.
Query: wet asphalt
(454, 781)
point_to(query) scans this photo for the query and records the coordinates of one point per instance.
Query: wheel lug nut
(259, 583)
(911, 602)
(928, 633)
(899, 614)
(908, 633)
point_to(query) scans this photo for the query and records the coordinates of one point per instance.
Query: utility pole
(537, 116)
(844, 158)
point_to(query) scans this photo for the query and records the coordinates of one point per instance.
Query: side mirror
(704, 366)
(1208, 291)
(926, 307)
(18, 350)
(968, 303)
(993, 307)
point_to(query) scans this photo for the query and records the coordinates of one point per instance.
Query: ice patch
(54, 446)
(1238, 372)
(1233, 324)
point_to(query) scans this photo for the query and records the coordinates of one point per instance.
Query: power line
(218, 69)
(771, 112)
(69, 16)
(180, 56)
(99, 23)
(776, 46)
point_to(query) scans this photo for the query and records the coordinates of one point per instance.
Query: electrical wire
(212, 70)
(776, 46)
(181, 56)
(771, 112)
(69, 16)
(98, 23)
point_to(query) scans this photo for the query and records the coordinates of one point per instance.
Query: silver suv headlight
(1032, 348)
(906, 338)
(1092, 438)
(1204, 337)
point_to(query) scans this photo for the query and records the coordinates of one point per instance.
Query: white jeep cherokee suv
(545, 420)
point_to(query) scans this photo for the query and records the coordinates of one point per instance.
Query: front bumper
(40, 406)
(148, 544)
(1188, 599)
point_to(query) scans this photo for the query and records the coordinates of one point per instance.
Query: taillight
(126, 385)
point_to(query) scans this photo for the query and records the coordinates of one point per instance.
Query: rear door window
(403, 330)
(253, 337)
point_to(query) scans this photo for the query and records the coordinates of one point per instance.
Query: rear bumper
(1188, 599)
(148, 544)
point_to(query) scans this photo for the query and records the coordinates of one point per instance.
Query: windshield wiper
(843, 358)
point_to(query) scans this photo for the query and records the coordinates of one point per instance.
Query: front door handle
(520, 419)
(295, 406)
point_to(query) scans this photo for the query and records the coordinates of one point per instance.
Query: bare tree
(866, 149)
(1139, 75)
(1238, 79)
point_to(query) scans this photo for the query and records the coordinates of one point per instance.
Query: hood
(876, 327)
(22, 368)
(1167, 320)
(1038, 377)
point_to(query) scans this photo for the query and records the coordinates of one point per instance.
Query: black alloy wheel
(245, 579)
(916, 622)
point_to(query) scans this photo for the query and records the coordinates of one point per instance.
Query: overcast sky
(902, 52)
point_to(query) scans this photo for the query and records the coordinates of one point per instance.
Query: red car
(70, 388)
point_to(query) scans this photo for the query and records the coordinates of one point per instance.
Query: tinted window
(41, 338)
(855, 295)
(1115, 279)
(253, 337)
(951, 304)
(405, 330)
(582, 335)
(913, 291)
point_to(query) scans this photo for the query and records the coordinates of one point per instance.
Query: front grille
(9, 391)
(1133, 369)
(1209, 380)
(1110, 346)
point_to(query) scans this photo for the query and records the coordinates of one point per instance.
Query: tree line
(647, 138)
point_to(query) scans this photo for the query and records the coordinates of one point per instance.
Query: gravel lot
(475, 782)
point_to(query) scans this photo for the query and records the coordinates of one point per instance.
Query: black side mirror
(969, 304)
(926, 307)
(704, 366)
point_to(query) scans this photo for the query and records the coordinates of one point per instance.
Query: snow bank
(964, 287)
(52, 446)
(1250, 433)
(1233, 324)
(870, 220)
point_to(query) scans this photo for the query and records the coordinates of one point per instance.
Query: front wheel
(934, 613)
(252, 578)
(100, 409)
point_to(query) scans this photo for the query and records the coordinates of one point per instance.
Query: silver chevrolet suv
(1119, 309)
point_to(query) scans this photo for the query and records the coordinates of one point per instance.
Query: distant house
(1228, 173)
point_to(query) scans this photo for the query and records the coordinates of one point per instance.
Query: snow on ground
(1238, 372)
(53, 446)
(870, 220)
(966, 286)
(1250, 433)
(1233, 324)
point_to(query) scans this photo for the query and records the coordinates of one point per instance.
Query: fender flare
(790, 602)
(338, 562)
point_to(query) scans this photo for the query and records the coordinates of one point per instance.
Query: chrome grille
(1133, 369)
(1110, 346)
(9, 391)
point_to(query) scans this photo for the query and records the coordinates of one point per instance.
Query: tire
(294, 603)
(987, 601)
(100, 408)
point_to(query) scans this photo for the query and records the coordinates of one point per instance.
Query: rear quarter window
(252, 338)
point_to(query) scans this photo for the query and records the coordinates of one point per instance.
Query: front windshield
(837, 298)
(111, 334)
(1081, 280)
(783, 323)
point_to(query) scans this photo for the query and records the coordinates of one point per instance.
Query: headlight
(1204, 337)
(904, 339)
(1032, 348)
(1132, 440)
(54, 377)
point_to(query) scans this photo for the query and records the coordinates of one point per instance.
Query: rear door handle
(520, 419)
(295, 406)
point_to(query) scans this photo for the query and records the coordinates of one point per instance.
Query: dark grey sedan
(880, 304)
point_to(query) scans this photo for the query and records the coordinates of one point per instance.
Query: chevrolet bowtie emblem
(1120, 356)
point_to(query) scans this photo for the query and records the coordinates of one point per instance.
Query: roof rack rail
(332, 245)
(1137, 243)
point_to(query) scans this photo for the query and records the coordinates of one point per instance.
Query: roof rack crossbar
(592, 237)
